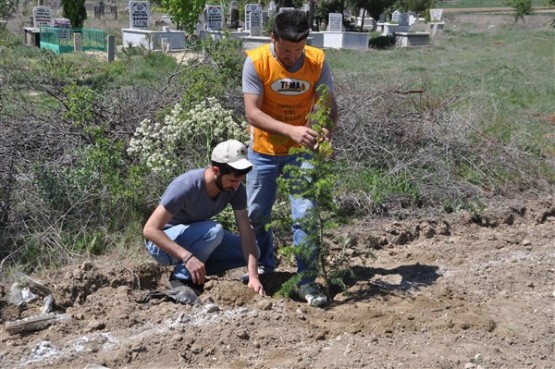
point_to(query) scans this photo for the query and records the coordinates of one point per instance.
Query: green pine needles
(316, 181)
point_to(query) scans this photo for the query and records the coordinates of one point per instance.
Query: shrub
(382, 42)
(189, 135)
(7, 7)
(75, 11)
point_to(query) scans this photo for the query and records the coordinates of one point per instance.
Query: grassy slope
(500, 79)
(449, 4)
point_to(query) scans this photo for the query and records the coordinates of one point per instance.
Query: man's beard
(220, 184)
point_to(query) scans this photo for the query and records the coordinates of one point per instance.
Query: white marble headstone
(41, 16)
(285, 8)
(395, 16)
(249, 8)
(435, 14)
(335, 22)
(139, 14)
(215, 17)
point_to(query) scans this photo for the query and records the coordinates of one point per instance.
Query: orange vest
(288, 97)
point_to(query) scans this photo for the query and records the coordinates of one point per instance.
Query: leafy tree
(75, 11)
(521, 8)
(7, 7)
(373, 7)
(286, 3)
(184, 14)
(323, 8)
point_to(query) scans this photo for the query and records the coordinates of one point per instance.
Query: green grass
(381, 186)
(510, 67)
(448, 4)
(494, 90)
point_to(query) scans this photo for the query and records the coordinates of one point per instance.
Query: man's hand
(255, 284)
(197, 270)
(326, 134)
(323, 144)
(303, 135)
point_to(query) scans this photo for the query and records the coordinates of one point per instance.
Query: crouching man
(180, 231)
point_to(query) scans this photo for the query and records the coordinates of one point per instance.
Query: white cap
(232, 153)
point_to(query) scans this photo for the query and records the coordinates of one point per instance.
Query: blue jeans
(261, 194)
(217, 248)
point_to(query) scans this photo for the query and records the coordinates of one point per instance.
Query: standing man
(280, 82)
(179, 232)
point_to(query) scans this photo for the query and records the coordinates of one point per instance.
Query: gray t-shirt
(186, 198)
(253, 85)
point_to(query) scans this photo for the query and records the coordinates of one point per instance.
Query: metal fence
(61, 40)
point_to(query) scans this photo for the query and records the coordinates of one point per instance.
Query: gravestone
(435, 25)
(361, 13)
(99, 10)
(255, 23)
(114, 11)
(249, 9)
(61, 22)
(77, 42)
(234, 14)
(139, 14)
(435, 15)
(41, 16)
(285, 8)
(272, 9)
(111, 47)
(395, 16)
(63, 27)
(404, 20)
(215, 17)
(382, 18)
(335, 22)
(165, 45)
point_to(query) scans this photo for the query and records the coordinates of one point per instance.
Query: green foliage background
(75, 11)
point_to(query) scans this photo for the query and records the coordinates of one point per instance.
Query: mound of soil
(457, 291)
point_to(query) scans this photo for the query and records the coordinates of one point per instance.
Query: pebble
(242, 334)
(300, 314)
(265, 305)
(211, 308)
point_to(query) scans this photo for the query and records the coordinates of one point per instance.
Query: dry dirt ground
(453, 291)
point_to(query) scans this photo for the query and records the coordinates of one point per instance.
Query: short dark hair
(227, 169)
(291, 25)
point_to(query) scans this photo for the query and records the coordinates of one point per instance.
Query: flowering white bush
(194, 133)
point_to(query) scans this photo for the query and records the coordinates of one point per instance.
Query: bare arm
(250, 250)
(153, 231)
